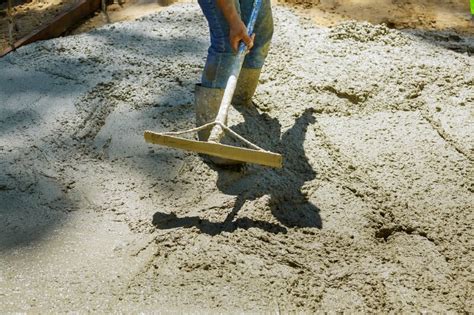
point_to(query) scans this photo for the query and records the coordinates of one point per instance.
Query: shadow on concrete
(33, 202)
(170, 221)
(450, 40)
(287, 203)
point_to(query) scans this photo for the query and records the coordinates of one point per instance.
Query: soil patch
(451, 15)
(29, 16)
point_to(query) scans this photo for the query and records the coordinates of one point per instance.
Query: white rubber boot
(207, 102)
(246, 86)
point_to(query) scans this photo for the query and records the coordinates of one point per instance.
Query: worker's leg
(208, 94)
(220, 56)
(263, 33)
(250, 73)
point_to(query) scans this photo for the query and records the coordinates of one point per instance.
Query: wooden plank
(216, 149)
(59, 25)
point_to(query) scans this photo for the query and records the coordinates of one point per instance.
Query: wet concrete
(372, 211)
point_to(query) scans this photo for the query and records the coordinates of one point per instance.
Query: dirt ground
(29, 16)
(372, 211)
(429, 15)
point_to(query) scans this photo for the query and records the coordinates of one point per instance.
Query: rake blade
(216, 149)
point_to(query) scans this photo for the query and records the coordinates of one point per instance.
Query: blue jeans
(220, 55)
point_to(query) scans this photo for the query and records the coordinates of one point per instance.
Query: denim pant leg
(220, 54)
(263, 32)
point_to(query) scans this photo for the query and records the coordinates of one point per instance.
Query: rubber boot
(246, 86)
(207, 102)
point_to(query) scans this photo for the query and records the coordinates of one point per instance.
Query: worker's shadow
(283, 186)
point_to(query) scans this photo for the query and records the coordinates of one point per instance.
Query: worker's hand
(237, 29)
(237, 33)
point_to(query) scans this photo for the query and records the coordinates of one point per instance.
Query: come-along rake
(212, 146)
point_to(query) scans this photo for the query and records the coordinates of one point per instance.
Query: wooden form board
(216, 149)
(59, 25)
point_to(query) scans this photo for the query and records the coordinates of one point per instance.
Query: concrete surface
(372, 212)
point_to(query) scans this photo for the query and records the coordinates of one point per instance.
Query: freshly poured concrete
(372, 211)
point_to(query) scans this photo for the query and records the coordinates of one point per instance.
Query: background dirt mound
(427, 15)
(371, 213)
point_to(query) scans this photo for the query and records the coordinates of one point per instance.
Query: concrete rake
(252, 154)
